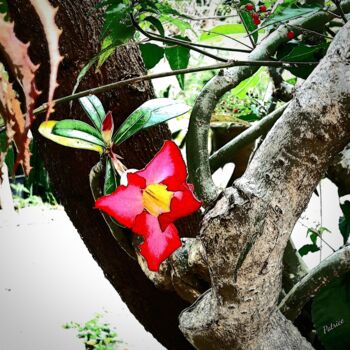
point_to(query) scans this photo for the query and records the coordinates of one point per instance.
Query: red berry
(256, 21)
(262, 8)
(235, 110)
(255, 15)
(290, 35)
(249, 7)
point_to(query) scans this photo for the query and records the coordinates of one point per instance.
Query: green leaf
(178, 58)
(45, 129)
(94, 109)
(330, 313)
(243, 87)
(289, 11)
(107, 48)
(344, 221)
(177, 22)
(118, 24)
(308, 248)
(77, 129)
(150, 113)
(226, 29)
(300, 52)
(111, 179)
(4, 9)
(248, 21)
(151, 54)
(155, 22)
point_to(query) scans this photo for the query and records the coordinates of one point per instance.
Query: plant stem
(225, 153)
(174, 41)
(121, 83)
(330, 268)
(340, 10)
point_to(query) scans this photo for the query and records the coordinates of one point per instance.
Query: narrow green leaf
(94, 109)
(226, 29)
(111, 178)
(77, 129)
(248, 21)
(107, 49)
(45, 129)
(178, 58)
(177, 22)
(151, 54)
(150, 113)
(155, 22)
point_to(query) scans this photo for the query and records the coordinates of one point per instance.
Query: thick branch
(197, 150)
(330, 268)
(224, 154)
(246, 232)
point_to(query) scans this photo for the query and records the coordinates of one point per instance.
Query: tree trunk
(69, 169)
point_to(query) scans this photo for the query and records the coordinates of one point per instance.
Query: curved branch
(330, 268)
(197, 150)
(224, 154)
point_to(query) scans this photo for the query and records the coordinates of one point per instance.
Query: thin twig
(121, 83)
(174, 41)
(340, 9)
(228, 37)
(192, 18)
(309, 31)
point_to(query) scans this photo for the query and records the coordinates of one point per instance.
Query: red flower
(153, 199)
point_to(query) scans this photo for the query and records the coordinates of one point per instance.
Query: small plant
(96, 335)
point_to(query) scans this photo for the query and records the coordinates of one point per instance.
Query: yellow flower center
(156, 199)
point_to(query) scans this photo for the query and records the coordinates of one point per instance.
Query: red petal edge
(167, 167)
(182, 204)
(125, 203)
(158, 245)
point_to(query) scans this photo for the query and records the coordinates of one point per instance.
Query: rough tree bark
(245, 233)
(69, 169)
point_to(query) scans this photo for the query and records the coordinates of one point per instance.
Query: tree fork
(245, 233)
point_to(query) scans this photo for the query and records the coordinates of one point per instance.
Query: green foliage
(178, 58)
(93, 107)
(313, 234)
(151, 54)
(76, 129)
(289, 10)
(249, 24)
(296, 51)
(95, 335)
(4, 9)
(331, 314)
(111, 178)
(344, 221)
(150, 113)
(226, 29)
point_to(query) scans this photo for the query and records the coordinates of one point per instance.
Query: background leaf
(151, 54)
(330, 313)
(227, 29)
(150, 113)
(178, 58)
(248, 21)
(308, 248)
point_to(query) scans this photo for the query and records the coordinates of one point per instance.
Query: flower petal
(167, 167)
(157, 245)
(125, 203)
(182, 204)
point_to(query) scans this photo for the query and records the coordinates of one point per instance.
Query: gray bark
(245, 233)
